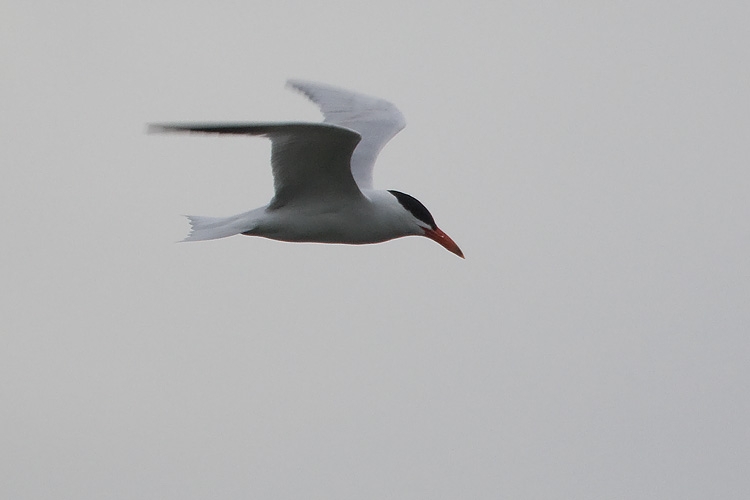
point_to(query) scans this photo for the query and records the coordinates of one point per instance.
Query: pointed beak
(444, 240)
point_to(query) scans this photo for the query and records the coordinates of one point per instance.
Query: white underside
(375, 218)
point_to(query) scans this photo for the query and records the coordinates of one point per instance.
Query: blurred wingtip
(155, 128)
(295, 84)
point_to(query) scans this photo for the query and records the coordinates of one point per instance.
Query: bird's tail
(212, 228)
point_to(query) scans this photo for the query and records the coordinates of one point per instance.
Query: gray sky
(591, 159)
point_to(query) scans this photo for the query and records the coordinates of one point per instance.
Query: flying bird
(322, 176)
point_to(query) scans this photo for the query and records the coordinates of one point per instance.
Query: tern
(322, 176)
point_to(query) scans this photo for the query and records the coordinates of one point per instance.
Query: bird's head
(424, 222)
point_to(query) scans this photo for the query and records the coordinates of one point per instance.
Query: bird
(322, 176)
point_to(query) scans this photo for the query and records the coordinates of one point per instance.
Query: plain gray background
(590, 158)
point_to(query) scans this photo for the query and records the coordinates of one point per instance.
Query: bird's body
(374, 218)
(323, 177)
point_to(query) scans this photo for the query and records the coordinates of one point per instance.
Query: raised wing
(310, 161)
(376, 120)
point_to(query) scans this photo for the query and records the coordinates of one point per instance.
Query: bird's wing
(310, 161)
(376, 120)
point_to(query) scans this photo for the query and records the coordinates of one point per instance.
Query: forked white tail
(212, 228)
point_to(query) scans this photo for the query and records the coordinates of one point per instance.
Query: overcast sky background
(591, 160)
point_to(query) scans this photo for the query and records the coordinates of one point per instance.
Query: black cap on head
(415, 207)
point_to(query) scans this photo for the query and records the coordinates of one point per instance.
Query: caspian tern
(322, 176)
